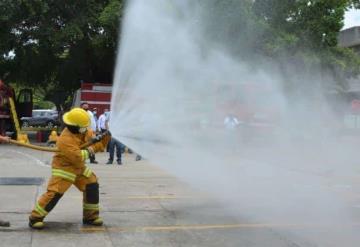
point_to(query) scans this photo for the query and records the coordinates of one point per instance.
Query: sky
(352, 18)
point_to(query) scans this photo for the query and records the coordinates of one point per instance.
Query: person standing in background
(85, 106)
(102, 125)
(5, 93)
(94, 112)
(114, 143)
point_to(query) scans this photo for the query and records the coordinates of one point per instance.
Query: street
(141, 206)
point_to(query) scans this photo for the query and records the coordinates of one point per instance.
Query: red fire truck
(97, 95)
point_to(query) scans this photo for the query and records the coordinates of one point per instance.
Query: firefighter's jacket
(69, 161)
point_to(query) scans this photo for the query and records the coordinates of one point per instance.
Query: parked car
(43, 118)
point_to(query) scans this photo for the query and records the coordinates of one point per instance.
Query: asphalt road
(142, 205)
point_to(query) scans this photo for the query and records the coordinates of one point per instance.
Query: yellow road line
(142, 197)
(189, 227)
(155, 197)
(138, 179)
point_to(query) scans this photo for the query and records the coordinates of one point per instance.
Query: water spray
(183, 73)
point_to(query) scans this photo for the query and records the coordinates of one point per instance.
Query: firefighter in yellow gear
(68, 168)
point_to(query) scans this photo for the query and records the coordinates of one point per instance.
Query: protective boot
(91, 205)
(95, 222)
(36, 224)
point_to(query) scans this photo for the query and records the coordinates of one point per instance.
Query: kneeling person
(68, 168)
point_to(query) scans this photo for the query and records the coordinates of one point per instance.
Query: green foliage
(355, 3)
(39, 103)
(228, 23)
(38, 96)
(59, 43)
(305, 29)
(316, 24)
(53, 45)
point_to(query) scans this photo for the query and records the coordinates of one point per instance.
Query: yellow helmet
(77, 117)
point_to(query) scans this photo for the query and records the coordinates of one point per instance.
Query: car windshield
(44, 114)
(36, 114)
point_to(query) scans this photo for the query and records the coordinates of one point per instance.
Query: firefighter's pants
(59, 183)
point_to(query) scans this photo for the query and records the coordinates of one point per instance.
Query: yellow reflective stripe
(72, 175)
(64, 174)
(84, 155)
(87, 173)
(88, 206)
(40, 210)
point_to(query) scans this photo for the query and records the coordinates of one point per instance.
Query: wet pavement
(141, 205)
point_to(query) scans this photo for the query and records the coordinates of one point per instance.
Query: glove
(106, 139)
(107, 133)
(87, 153)
(96, 139)
(90, 151)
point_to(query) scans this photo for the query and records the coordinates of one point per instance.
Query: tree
(314, 24)
(307, 31)
(56, 44)
(354, 3)
(229, 24)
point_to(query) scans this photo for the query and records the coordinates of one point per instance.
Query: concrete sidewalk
(141, 206)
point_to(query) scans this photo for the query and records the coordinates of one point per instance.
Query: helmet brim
(67, 121)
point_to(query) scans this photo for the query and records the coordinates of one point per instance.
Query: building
(350, 38)
(351, 98)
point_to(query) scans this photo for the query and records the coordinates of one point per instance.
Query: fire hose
(95, 139)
